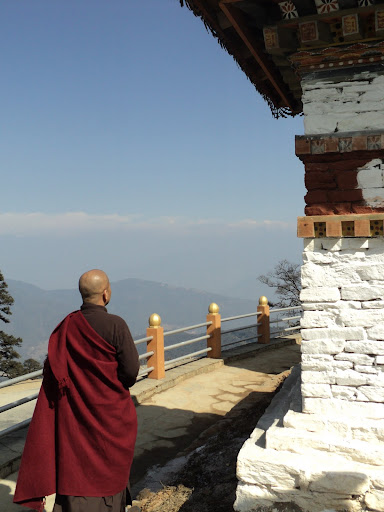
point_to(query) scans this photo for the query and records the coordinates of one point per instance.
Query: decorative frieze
(330, 144)
(339, 57)
(379, 21)
(288, 10)
(351, 26)
(326, 6)
(348, 226)
(271, 38)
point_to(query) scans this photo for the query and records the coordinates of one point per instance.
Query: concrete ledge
(11, 449)
(146, 388)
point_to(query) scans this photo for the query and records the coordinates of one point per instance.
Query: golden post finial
(263, 301)
(213, 308)
(154, 320)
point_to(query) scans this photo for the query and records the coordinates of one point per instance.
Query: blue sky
(131, 141)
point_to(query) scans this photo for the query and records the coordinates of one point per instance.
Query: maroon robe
(82, 435)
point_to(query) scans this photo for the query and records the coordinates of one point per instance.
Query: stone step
(304, 442)
(288, 397)
(348, 427)
(307, 470)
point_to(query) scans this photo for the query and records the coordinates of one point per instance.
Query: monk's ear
(105, 297)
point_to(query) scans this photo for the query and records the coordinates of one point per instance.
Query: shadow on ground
(207, 480)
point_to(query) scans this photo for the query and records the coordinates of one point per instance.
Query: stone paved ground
(171, 421)
(207, 481)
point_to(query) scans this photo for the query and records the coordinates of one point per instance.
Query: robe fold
(82, 435)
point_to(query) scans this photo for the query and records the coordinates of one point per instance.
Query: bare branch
(285, 278)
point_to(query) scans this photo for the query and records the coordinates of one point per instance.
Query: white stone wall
(323, 448)
(356, 104)
(343, 326)
(370, 179)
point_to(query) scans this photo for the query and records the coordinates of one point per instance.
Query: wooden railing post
(214, 331)
(263, 330)
(157, 346)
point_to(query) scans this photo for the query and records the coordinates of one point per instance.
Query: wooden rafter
(257, 51)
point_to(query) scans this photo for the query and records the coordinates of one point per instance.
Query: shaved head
(93, 285)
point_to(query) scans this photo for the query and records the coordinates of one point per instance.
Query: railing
(259, 332)
(156, 365)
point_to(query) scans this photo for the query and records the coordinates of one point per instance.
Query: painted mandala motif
(317, 147)
(374, 142)
(325, 6)
(345, 144)
(288, 10)
(365, 3)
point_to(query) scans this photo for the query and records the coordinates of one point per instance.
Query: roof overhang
(275, 42)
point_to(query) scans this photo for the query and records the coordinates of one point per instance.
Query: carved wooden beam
(257, 50)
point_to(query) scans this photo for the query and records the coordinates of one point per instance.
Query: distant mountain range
(36, 312)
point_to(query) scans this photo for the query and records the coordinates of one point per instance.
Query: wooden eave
(239, 27)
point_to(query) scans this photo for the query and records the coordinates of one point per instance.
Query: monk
(81, 438)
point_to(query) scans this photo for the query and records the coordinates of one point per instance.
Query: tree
(286, 280)
(6, 300)
(9, 366)
(31, 365)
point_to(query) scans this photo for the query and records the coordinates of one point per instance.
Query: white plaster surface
(329, 454)
(332, 107)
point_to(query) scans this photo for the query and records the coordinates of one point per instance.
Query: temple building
(322, 448)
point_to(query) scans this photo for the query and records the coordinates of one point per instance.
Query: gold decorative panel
(319, 229)
(376, 227)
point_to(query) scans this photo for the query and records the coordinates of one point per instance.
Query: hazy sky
(131, 141)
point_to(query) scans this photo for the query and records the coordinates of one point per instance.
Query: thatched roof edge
(217, 34)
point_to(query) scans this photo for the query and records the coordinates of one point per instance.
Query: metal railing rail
(278, 310)
(147, 354)
(184, 343)
(21, 401)
(145, 371)
(187, 356)
(256, 336)
(15, 428)
(236, 342)
(229, 331)
(286, 319)
(26, 376)
(143, 340)
(239, 317)
(189, 328)
(292, 328)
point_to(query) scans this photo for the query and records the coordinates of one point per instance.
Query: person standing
(81, 439)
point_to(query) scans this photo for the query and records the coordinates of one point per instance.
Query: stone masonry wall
(337, 105)
(322, 450)
(343, 149)
(350, 183)
(343, 326)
